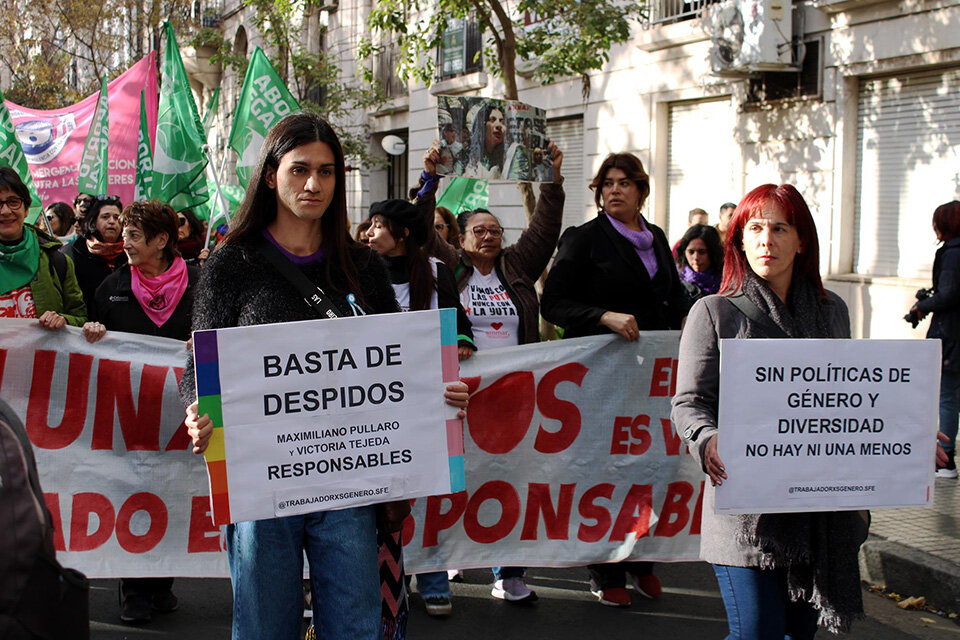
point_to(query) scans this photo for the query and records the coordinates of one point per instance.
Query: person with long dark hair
(190, 237)
(615, 274)
(780, 574)
(296, 201)
(945, 325)
(487, 147)
(398, 232)
(97, 251)
(700, 261)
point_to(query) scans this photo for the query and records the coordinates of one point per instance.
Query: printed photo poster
(492, 139)
(827, 425)
(329, 414)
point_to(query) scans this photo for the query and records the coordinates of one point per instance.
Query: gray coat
(695, 408)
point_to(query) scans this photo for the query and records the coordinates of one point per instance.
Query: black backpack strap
(749, 308)
(58, 265)
(312, 294)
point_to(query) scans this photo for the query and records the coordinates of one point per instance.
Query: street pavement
(690, 608)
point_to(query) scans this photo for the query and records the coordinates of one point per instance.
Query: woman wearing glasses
(190, 235)
(496, 286)
(36, 280)
(97, 251)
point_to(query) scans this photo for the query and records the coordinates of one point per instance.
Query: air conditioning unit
(749, 36)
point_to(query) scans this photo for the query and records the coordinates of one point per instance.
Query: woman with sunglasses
(36, 280)
(190, 236)
(496, 286)
(97, 251)
(61, 219)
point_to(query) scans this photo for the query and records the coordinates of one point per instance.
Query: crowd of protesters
(144, 268)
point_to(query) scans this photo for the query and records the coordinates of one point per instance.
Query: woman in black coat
(616, 274)
(945, 324)
(97, 250)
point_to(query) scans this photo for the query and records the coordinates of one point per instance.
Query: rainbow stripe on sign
(450, 367)
(207, 364)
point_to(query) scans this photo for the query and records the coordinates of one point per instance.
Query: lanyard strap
(312, 294)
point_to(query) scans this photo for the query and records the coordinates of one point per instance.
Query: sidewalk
(916, 552)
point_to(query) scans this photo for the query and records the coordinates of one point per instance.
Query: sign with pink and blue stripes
(329, 414)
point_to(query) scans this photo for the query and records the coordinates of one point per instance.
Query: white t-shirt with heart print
(491, 311)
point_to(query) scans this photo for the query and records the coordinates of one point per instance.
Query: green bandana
(19, 262)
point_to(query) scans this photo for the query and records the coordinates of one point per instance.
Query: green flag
(179, 157)
(464, 194)
(92, 177)
(144, 155)
(11, 155)
(264, 99)
(211, 113)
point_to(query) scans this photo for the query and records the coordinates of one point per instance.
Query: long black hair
(478, 137)
(710, 237)
(259, 207)
(420, 273)
(87, 229)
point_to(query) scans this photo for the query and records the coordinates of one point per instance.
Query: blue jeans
(433, 584)
(949, 406)
(266, 570)
(502, 573)
(758, 607)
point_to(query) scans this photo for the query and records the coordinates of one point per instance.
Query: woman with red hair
(945, 324)
(781, 575)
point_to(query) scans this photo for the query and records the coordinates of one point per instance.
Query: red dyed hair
(806, 264)
(946, 220)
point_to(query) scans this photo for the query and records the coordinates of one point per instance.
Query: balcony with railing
(660, 12)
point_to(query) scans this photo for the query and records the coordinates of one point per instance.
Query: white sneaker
(947, 473)
(513, 590)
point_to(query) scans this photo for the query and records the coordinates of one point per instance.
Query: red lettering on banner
(85, 504)
(74, 405)
(153, 505)
(500, 415)
(3, 363)
(634, 516)
(633, 430)
(552, 407)
(53, 506)
(506, 495)
(139, 425)
(664, 380)
(671, 440)
(590, 511)
(555, 521)
(180, 441)
(675, 512)
(200, 539)
(435, 520)
(697, 513)
(409, 527)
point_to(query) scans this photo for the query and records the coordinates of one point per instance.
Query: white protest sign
(824, 425)
(327, 414)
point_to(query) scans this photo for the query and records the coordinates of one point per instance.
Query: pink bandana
(160, 296)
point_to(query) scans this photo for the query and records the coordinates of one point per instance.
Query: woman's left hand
(431, 157)
(920, 314)
(942, 458)
(52, 320)
(93, 331)
(464, 353)
(456, 395)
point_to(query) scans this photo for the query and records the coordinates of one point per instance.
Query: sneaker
(438, 605)
(950, 469)
(136, 609)
(455, 575)
(614, 597)
(513, 590)
(164, 602)
(648, 586)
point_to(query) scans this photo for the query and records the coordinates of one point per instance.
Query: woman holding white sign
(296, 203)
(780, 574)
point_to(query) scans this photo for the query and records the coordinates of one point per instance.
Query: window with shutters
(908, 163)
(460, 51)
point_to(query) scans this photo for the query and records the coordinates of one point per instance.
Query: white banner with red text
(570, 457)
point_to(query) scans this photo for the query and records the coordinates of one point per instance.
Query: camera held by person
(914, 317)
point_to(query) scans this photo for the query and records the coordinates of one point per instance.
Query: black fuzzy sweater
(240, 288)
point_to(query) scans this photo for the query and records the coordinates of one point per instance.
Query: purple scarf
(708, 281)
(642, 242)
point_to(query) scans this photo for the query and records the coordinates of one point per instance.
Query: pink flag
(53, 140)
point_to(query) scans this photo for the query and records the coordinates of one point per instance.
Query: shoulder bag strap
(749, 308)
(312, 294)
